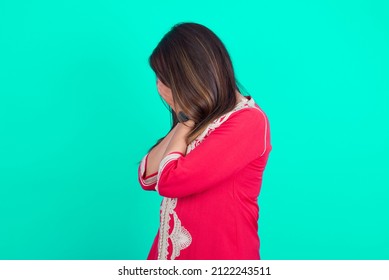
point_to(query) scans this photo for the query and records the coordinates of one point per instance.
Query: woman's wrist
(184, 128)
(189, 124)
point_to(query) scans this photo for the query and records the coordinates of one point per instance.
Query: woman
(209, 167)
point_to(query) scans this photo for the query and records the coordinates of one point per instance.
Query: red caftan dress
(210, 195)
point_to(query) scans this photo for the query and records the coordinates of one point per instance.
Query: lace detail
(180, 237)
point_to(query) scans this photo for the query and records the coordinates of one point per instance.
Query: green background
(79, 109)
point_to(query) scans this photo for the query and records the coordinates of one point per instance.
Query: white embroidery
(167, 207)
(180, 237)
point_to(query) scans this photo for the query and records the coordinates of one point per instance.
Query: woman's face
(165, 92)
(162, 87)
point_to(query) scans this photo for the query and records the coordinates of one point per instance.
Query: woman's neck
(239, 97)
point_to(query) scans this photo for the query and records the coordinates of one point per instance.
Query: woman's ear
(165, 92)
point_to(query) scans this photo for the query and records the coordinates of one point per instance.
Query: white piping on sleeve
(165, 161)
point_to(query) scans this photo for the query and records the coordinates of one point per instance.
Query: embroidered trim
(167, 207)
(165, 161)
(180, 237)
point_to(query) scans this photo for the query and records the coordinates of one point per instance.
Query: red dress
(210, 195)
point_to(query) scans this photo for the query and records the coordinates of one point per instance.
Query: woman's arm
(228, 149)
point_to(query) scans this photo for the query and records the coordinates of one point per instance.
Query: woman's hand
(178, 141)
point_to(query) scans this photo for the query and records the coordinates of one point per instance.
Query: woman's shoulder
(246, 118)
(252, 113)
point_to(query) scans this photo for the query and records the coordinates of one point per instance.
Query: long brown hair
(194, 63)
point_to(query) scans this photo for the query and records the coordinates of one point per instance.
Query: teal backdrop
(79, 109)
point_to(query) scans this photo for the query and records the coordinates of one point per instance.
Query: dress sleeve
(228, 149)
(147, 183)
